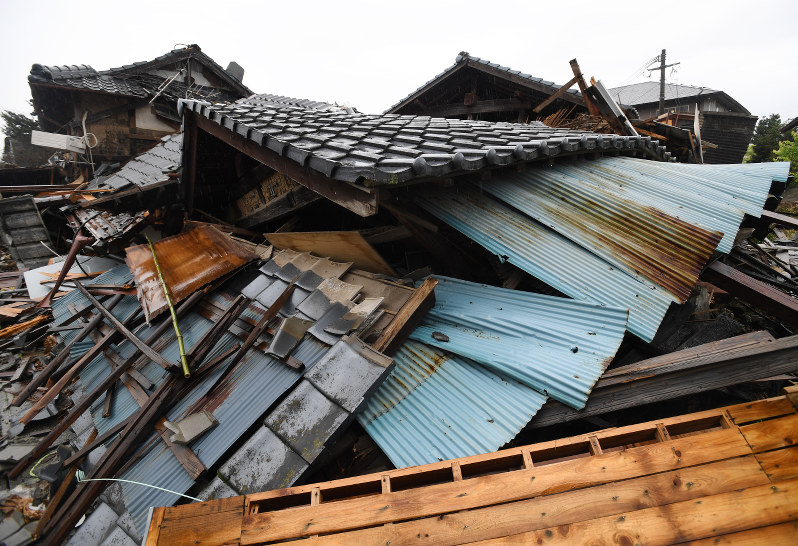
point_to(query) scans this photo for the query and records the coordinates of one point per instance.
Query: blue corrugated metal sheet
(550, 257)
(511, 349)
(436, 406)
(561, 353)
(593, 266)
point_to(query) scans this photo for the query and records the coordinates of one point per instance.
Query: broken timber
(692, 477)
(757, 293)
(699, 369)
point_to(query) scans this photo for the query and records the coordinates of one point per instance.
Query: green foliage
(766, 138)
(18, 125)
(788, 151)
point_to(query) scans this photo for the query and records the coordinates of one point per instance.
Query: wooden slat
(783, 534)
(153, 534)
(210, 529)
(487, 490)
(760, 409)
(771, 434)
(780, 465)
(564, 508)
(407, 318)
(730, 512)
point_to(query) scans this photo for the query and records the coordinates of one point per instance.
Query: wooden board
(340, 246)
(729, 473)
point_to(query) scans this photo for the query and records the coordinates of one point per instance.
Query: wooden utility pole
(662, 67)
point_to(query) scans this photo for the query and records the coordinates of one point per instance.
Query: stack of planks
(727, 475)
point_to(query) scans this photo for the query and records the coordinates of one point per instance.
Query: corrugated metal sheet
(507, 350)
(617, 231)
(638, 237)
(549, 256)
(559, 353)
(436, 406)
(252, 388)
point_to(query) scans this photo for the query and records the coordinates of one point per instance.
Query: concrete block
(97, 526)
(118, 537)
(217, 489)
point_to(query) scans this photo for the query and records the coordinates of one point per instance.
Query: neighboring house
(473, 88)
(723, 121)
(131, 107)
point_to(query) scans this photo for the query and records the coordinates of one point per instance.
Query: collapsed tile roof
(464, 59)
(151, 167)
(390, 149)
(133, 80)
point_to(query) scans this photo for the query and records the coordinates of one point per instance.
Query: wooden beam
(189, 161)
(407, 318)
(580, 80)
(359, 200)
(757, 293)
(556, 95)
(781, 219)
(639, 384)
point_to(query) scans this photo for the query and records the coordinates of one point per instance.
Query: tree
(766, 138)
(18, 125)
(788, 151)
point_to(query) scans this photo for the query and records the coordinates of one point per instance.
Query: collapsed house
(429, 288)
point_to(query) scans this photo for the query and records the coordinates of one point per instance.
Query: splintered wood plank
(680, 522)
(563, 508)
(780, 465)
(771, 434)
(155, 526)
(773, 535)
(760, 409)
(341, 246)
(407, 318)
(493, 489)
(206, 523)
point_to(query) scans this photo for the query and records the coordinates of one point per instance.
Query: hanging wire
(81, 476)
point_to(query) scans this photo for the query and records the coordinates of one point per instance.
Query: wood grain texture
(780, 465)
(772, 434)
(563, 508)
(681, 522)
(493, 489)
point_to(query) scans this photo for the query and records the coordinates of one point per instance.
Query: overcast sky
(372, 54)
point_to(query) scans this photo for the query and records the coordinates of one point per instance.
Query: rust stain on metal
(665, 250)
(189, 261)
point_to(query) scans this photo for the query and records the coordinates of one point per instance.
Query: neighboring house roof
(134, 81)
(267, 99)
(789, 126)
(464, 59)
(390, 149)
(641, 93)
(84, 77)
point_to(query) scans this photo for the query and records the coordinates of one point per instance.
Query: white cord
(81, 478)
(86, 141)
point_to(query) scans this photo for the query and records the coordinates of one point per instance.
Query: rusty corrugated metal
(641, 239)
(188, 261)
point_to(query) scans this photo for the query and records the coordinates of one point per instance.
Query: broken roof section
(342, 155)
(594, 264)
(443, 94)
(156, 167)
(638, 94)
(140, 79)
(481, 364)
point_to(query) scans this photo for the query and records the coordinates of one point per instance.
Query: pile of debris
(289, 291)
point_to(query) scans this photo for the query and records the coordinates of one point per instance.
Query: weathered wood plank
(487, 490)
(407, 318)
(780, 465)
(772, 434)
(153, 534)
(689, 520)
(749, 412)
(783, 534)
(564, 508)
